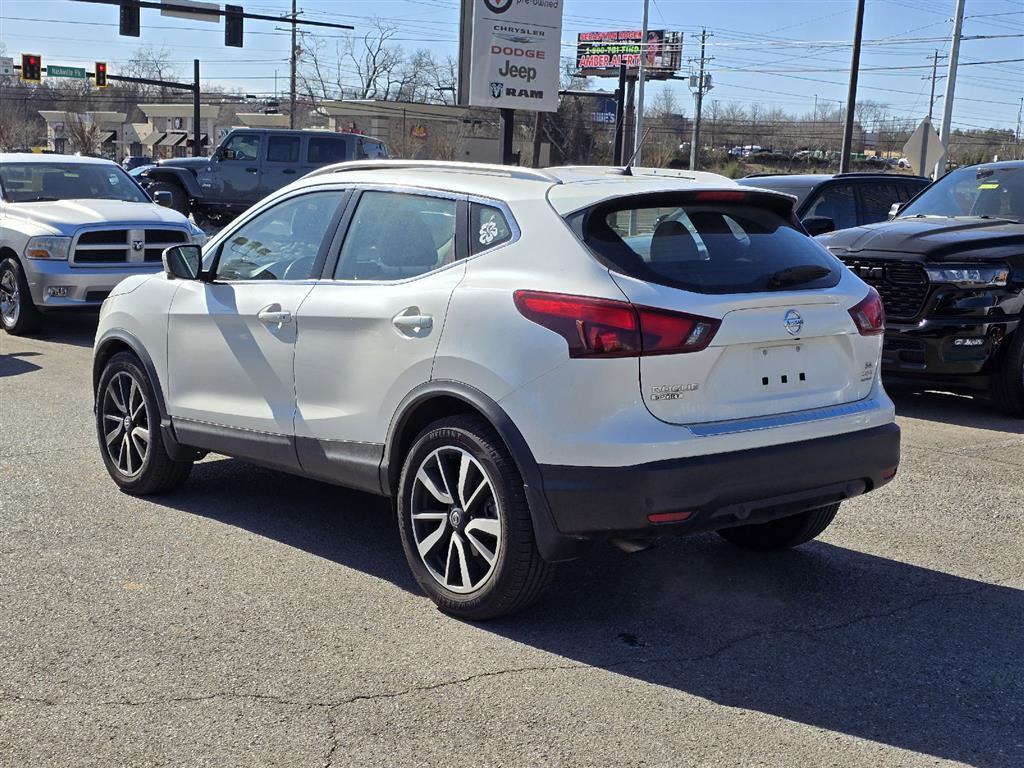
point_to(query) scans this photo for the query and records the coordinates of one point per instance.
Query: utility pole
(695, 144)
(295, 56)
(638, 137)
(620, 116)
(947, 106)
(1020, 113)
(851, 96)
(931, 106)
(197, 149)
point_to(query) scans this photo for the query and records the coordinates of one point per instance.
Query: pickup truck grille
(903, 285)
(124, 246)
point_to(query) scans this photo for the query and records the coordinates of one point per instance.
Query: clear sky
(782, 53)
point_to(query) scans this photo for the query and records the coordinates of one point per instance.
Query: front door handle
(415, 323)
(252, 170)
(272, 316)
(288, 170)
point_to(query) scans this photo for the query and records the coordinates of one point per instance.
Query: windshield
(738, 248)
(29, 182)
(976, 191)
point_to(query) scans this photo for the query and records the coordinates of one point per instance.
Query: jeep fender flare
(181, 176)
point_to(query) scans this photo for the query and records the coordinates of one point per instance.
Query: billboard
(514, 54)
(599, 54)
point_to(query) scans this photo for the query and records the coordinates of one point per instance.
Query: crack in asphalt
(965, 455)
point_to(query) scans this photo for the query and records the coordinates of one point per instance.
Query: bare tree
(83, 134)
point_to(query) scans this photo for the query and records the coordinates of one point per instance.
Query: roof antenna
(628, 170)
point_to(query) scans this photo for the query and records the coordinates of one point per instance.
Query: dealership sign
(601, 53)
(514, 54)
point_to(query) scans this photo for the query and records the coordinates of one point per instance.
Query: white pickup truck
(71, 228)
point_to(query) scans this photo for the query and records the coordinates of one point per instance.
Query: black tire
(179, 198)
(783, 533)
(518, 575)
(1008, 382)
(18, 313)
(157, 472)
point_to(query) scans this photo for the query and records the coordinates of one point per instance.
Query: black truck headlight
(970, 275)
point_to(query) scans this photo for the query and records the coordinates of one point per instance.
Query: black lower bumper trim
(720, 490)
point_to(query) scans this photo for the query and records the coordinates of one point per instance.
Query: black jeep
(950, 269)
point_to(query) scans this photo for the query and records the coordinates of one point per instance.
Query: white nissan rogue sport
(526, 361)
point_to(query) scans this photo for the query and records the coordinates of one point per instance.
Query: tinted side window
(876, 200)
(370, 150)
(836, 202)
(283, 149)
(395, 236)
(283, 242)
(324, 150)
(488, 228)
(243, 146)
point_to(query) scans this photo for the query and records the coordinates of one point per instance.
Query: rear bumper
(719, 490)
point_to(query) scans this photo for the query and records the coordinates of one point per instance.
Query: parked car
(521, 358)
(249, 164)
(135, 161)
(950, 270)
(70, 229)
(838, 201)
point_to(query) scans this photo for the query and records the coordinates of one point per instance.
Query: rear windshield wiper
(803, 273)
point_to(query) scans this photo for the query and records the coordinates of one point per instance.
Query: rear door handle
(272, 316)
(288, 170)
(252, 170)
(418, 323)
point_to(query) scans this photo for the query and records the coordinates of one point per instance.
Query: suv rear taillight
(607, 328)
(869, 314)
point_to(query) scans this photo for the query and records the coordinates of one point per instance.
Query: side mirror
(895, 209)
(818, 225)
(163, 198)
(183, 262)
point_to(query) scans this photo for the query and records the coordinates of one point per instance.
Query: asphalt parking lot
(256, 619)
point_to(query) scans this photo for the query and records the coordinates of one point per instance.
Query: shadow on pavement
(826, 636)
(958, 410)
(15, 364)
(77, 328)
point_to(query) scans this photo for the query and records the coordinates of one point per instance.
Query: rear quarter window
(707, 248)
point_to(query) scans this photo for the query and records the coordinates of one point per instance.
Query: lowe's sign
(513, 53)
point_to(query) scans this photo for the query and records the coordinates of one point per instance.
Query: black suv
(950, 269)
(826, 202)
(248, 165)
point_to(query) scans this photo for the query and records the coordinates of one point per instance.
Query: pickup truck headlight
(970, 276)
(56, 248)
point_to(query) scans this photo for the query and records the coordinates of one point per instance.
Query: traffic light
(130, 24)
(233, 23)
(32, 67)
(101, 74)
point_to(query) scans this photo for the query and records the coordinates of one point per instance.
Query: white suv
(526, 361)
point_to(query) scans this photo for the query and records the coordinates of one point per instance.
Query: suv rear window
(707, 248)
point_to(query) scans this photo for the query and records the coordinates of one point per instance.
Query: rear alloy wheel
(18, 315)
(1008, 382)
(128, 428)
(783, 533)
(465, 526)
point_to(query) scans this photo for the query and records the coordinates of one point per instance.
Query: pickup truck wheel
(1008, 383)
(128, 430)
(465, 525)
(18, 315)
(783, 533)
(179, 199)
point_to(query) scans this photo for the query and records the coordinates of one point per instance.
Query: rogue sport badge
(794, 322)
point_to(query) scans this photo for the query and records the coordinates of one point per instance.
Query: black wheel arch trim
(181, 176)
(553, 545)
(174, 449)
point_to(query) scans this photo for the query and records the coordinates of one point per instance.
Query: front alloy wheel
(454, 520)
(126, 424)
(18, 315)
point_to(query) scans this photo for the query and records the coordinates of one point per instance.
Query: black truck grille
(903, 285)
(120, 246)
